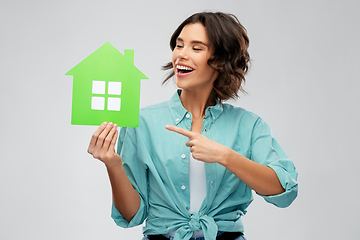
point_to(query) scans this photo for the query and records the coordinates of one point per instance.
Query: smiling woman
(190, 167)
(229, 43)
(190, 60)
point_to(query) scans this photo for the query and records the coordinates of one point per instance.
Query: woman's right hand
(102, 144)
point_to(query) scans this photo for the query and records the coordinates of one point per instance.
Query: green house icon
(106, 88)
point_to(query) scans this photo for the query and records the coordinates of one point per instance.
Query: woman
(190, 167)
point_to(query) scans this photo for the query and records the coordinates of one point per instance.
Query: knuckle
(102, 157)
(107, 157)
(101, 138)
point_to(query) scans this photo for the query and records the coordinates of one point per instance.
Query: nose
(182, 53)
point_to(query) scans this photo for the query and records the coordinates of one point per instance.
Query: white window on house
(97, 103)
(109, 96)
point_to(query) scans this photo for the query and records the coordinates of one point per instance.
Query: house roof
(108, 62)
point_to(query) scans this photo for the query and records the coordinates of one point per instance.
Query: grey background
(303, 82)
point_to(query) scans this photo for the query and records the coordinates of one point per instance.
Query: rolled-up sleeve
(136, 172)
(266, 151)
(122, 222)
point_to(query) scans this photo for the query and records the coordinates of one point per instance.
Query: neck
(196, 102)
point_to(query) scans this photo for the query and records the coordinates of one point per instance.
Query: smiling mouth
(183, 69)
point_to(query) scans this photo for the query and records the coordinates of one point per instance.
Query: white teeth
(181, 67)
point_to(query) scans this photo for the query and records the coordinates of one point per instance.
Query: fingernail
(115, 126)
(104, 123)
(110, 123)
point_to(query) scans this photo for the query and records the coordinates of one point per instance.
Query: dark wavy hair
(229, 40)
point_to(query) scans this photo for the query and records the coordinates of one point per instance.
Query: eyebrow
(194, 41)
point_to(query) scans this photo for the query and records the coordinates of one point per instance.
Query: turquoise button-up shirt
(157, 163)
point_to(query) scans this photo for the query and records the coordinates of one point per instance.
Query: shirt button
(177, 119)
(214, 118)
(183, 156)
(187, 115)
(183, 187)
(211, 183)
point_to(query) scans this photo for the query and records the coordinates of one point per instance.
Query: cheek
(210, 72)
(174, 57)
(173, 60)
(202, 61)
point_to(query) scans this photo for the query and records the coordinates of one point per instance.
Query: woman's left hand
(202, 148)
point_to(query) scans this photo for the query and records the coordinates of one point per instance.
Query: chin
(182, 85)
(179, 83)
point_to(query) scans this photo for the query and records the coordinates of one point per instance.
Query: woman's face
(190, 58)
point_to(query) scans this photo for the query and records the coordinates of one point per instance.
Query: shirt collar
(214, 112)
(178, 111)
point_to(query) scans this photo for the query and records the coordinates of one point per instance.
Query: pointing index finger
(179, 130)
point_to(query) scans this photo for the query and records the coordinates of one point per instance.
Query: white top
(197, 181)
